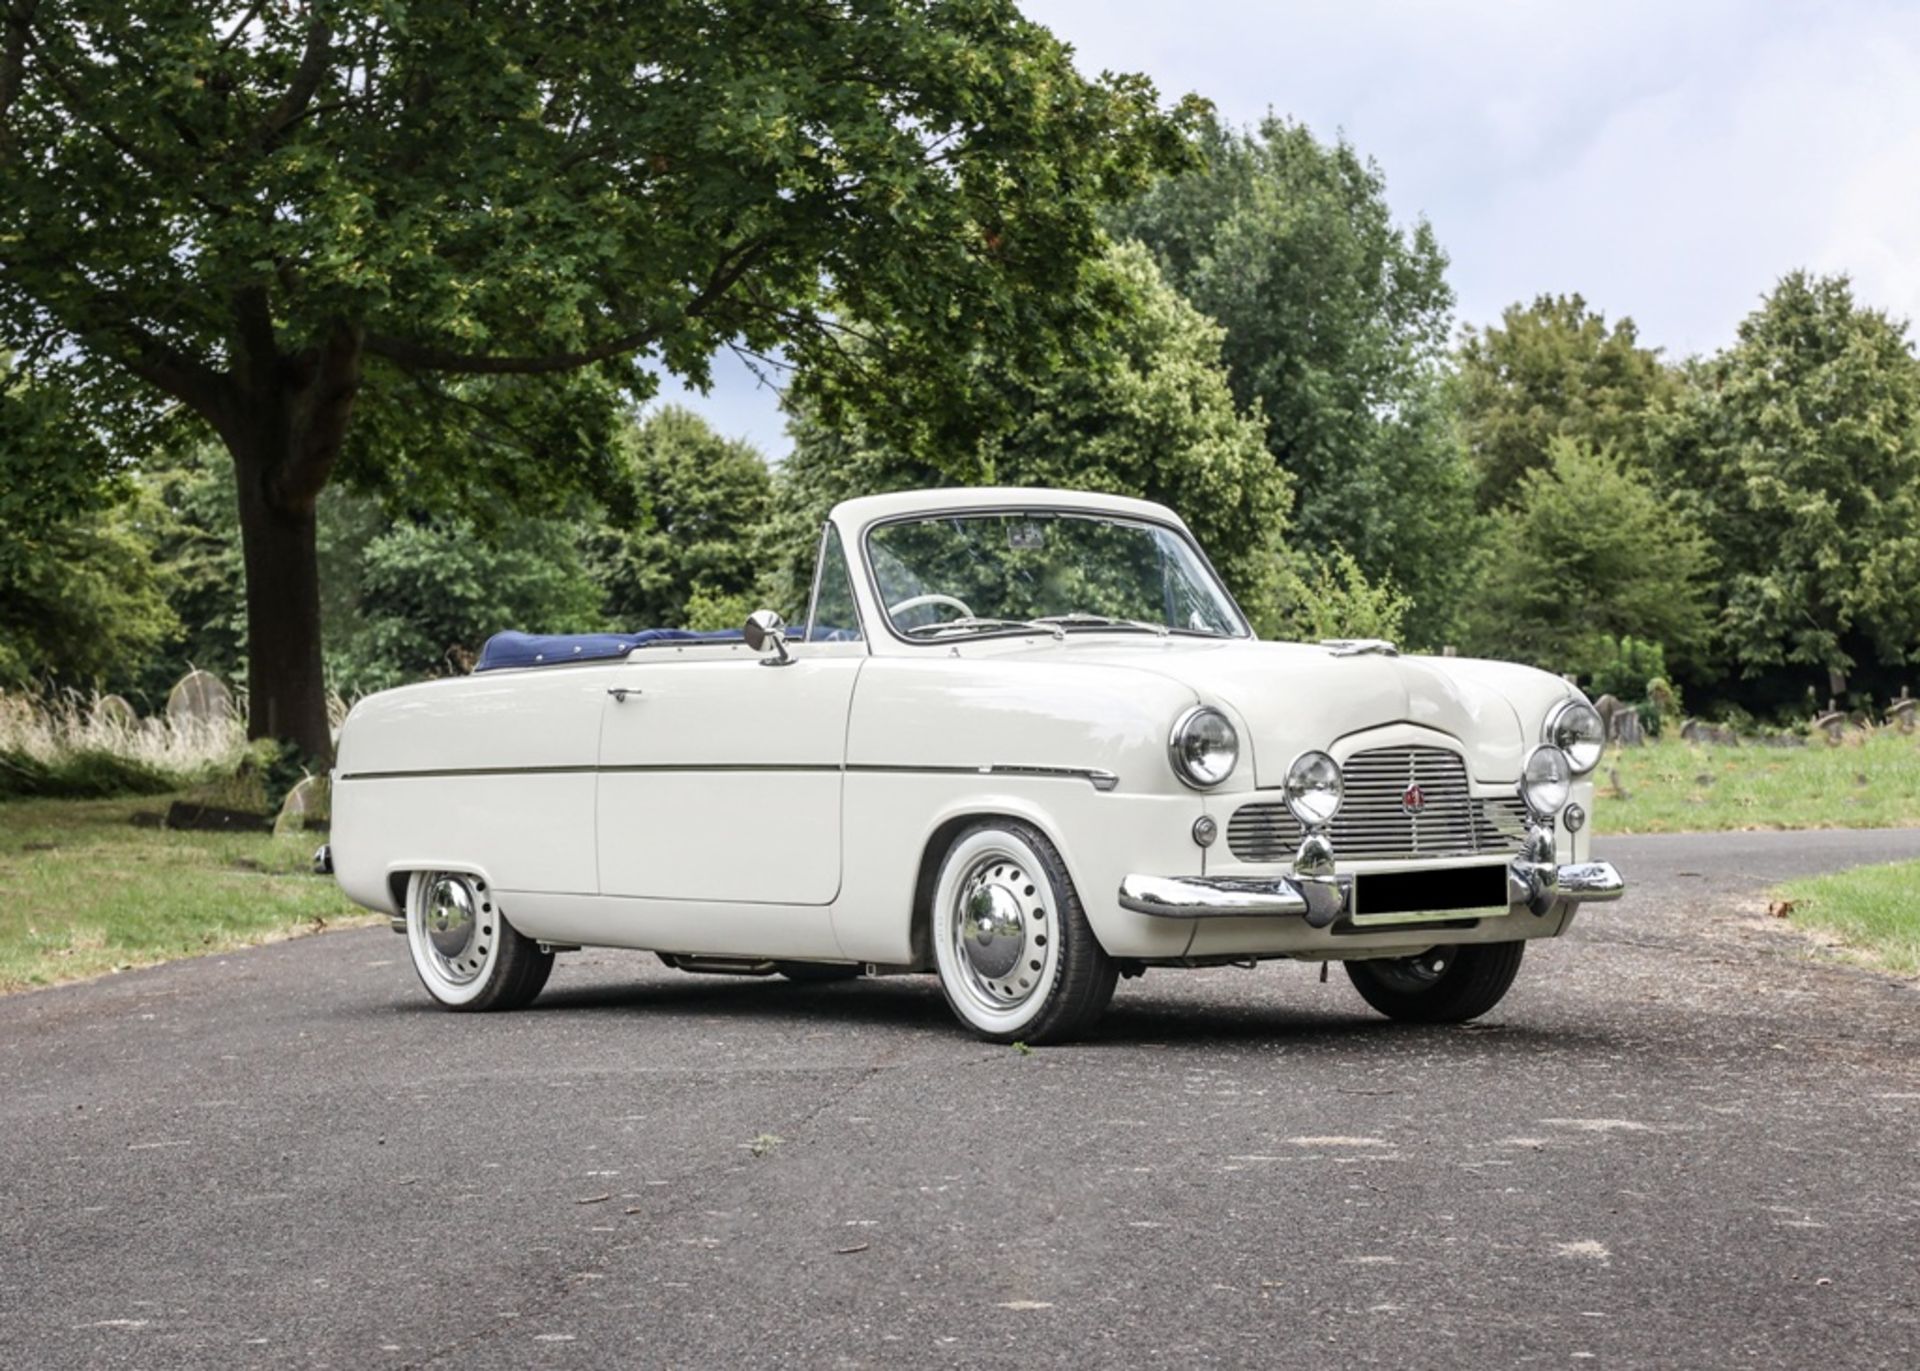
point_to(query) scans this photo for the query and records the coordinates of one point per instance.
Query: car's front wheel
(1442, 984)
(465, 952)
(1017, 958)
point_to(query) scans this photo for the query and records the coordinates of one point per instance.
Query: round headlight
(1315, 788)
(1204, 747)
(1547, 780)
(1575, 729)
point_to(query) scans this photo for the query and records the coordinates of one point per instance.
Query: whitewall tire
(1017, 959)
(464, 951)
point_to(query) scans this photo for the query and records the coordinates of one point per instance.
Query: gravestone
(1833, 723)
(113, 711)
(199, 697)
(306, 809)
(1900, 712)
(1626, 728)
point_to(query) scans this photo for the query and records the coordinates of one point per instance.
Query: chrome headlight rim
(1178, 754)
(1585, 755)
(1294, 790)
(1533, 793)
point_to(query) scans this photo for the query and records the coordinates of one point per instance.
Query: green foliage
(80, 598)
(1588, 554)
(1634, 670)
(1801, 451)
(688, 531)
(1331, 597)
(1336, 327)
(90, 773)
(1553, 369)
(1147, 412)
(433, 246)
(1627, 667)
(431, 594)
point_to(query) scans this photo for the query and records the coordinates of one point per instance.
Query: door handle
(620, 693)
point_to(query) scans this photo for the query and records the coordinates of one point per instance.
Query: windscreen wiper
(1082, 619)
(984, 622)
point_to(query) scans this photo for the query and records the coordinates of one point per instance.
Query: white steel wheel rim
(453, 932)
(996, 934)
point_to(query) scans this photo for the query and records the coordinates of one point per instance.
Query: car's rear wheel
(1016, 956)
(1442, 984)
(464, 951)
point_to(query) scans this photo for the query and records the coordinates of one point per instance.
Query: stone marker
(1834, 722)
(1900, 712)
(1627, 729)
(200, 698)
(306, 808)
(113, 711)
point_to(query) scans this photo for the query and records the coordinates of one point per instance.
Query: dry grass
(76, 746)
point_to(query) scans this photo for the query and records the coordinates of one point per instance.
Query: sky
(1668, 161)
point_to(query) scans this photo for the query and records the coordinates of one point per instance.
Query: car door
(720, 774)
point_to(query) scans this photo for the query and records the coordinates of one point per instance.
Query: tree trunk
(286, 681)
(284, 419)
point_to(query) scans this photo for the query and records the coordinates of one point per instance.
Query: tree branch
(421, 356)
(320, 430)
(13, 62)
(306, 80)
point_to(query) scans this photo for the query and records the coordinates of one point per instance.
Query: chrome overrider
(1315, 891)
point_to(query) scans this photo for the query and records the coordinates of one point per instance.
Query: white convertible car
(1025, 741)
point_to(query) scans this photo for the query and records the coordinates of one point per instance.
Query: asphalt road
(1683, 1140)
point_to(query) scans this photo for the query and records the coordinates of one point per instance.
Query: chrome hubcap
(458, 922)
(1000, 929)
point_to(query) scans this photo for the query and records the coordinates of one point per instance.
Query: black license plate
(1429, 892)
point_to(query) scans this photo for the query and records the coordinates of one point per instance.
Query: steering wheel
(917, 601)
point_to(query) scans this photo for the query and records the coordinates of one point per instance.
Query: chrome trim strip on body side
(1097, 777)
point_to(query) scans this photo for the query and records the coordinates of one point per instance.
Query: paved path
(1681, 1141)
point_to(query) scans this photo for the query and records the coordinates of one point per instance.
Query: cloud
(1667, 160)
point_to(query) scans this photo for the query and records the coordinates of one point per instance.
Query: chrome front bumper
(1534, 886)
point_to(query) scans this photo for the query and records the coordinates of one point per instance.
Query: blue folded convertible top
(511, 649)
(545, 649)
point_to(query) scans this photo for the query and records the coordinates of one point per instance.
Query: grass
(83, 891)
(1873, 910)
(1868, 781)
(70, 746)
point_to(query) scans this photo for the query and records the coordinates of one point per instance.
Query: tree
(1336, 326)
(81, 599)
(426, 246)
(1588, 553)
(689, 528)
(1802, 454)
(1147, 413)
(1553, 369)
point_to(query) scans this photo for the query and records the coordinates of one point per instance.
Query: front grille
(1373, 825)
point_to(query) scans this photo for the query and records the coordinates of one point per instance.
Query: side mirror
(765, 630)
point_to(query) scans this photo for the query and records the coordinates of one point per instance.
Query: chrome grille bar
(1373, 824)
